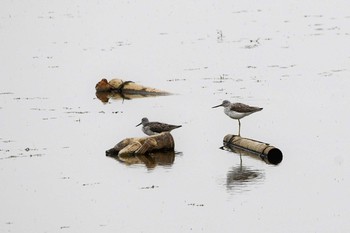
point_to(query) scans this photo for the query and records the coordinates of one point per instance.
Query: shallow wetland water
(290, 58)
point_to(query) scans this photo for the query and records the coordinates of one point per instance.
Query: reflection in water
(106, 96)
(150, 160)
(240, 177)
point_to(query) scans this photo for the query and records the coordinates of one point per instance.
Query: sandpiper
(152, 128)
(237, 111)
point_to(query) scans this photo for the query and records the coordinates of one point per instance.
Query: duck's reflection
(241, 178)
(150, 160)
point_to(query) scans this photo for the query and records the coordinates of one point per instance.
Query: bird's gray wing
(158, 127)
(243, 108)
(161, 127)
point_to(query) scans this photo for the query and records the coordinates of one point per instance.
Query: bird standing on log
(152, 128)
(237, 111)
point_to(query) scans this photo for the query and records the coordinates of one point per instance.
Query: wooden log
(127, 87)
(262, 150)
(135, 146)
(119, 89)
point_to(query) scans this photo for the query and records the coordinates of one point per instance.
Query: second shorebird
(237, 111)
(152, 128)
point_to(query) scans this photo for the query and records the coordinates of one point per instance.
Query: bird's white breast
(235, 115)
(148, 131)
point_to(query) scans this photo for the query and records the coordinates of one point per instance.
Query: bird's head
(224, 103)
(143, 121)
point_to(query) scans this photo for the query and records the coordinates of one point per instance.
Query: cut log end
(274, 156)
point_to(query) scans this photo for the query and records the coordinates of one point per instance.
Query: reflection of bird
(237, 111)
(152, 128)
(243, 178)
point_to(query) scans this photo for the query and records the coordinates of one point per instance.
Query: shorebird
(237, 111)
(152, 128)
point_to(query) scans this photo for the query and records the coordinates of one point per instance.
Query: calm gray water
(291, 58)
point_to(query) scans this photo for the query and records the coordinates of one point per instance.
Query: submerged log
(262, 150)
(128, 87)
(136, 146)
(119, 89)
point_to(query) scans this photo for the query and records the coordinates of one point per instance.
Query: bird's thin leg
(239, 127)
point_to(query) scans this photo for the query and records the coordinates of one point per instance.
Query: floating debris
(150, 187)
(119, 89)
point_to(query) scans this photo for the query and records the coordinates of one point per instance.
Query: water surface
(290, 58)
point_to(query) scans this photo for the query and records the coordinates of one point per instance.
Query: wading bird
(237, 111)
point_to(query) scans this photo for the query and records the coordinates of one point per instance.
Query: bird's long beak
(217, 106)
(138, 124)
